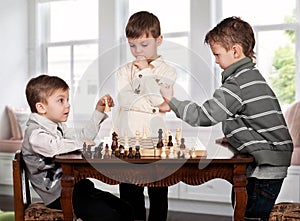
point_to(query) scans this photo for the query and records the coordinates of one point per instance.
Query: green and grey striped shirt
(250, 114)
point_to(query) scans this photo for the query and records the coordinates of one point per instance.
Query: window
(276, 41)
(70, 42)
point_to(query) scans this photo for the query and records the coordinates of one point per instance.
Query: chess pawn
(182, 145)
(84, 149)
(96, 153)
(137, 152)
(106, 153)
(107, 108)
(193, 153)
(171, 155)
(122, 151)
(163, 154)
(88, 154)
(130, 153)
(187, 154)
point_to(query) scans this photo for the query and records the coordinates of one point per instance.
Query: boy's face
(57, 108)
(223, 57)
(144, 47)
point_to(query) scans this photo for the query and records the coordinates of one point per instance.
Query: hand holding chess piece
(105, 103)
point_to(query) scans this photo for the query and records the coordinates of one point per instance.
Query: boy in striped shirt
(251, 116)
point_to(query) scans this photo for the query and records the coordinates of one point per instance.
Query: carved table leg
(239, 186)
(67, 183)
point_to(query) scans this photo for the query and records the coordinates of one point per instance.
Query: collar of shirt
(45, 122)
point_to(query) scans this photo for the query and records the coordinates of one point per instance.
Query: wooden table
(152, 171)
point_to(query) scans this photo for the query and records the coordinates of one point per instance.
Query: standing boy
(142, 108)
(249, 111)
(47, 135)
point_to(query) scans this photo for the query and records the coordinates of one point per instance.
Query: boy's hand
(100, 106)
(222, 140)
(167, 92)
(164, 107)
(141, 62)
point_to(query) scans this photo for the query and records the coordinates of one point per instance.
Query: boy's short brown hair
(230, 31)
(141, 23)
(38, 89)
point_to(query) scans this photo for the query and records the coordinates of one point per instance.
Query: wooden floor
(7, 204)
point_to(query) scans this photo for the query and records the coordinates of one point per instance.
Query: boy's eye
(61, 100)
(131, 45)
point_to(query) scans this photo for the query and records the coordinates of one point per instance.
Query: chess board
(148, 145)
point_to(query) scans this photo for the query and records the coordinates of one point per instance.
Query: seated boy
(47, 135)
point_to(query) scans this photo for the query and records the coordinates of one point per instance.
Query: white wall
(13, 58)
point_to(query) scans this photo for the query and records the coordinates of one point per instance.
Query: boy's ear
(159, 40)
(40, 107)
(237, 51)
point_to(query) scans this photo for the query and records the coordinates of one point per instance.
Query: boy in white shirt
(142, 108)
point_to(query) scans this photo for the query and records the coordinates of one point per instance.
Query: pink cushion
(292, 117)
(17, 120)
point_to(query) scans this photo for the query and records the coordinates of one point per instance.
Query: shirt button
(153, 110)
(140, 76)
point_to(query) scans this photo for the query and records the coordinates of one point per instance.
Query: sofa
(17, 121)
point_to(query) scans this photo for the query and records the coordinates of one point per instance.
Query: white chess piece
(187, 154)
(163, 154)
(137, 138)
(178, 135)
(171, 155)
(194, 153)
(144, 133)
(107, 108)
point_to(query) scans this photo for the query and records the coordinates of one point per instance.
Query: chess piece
(144, 133)
(170, 143)
(130, 153)
(137, 138)
(163, 154)
(114, 144)
(193, 153)
(122, 151)
(106, 153)
(137, 152)
(187, 154)
(107, 108)
(167, 134)
(178, 135)
(171, 155)
(182, 145)
(84, 148)
(160, 143)
(88, 152)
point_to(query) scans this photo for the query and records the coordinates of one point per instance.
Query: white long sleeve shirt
(139, 97)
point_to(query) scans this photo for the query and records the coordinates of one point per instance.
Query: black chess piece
(130, 154)
(114, 144)
(137, 152)
(170, 143)
(89, 153)
(182, 145)
(84, 149)
(160, 143)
